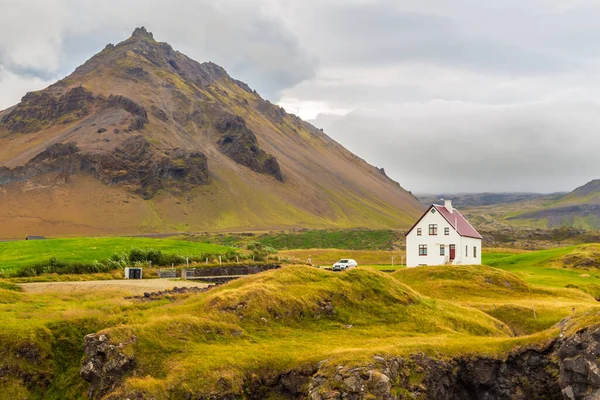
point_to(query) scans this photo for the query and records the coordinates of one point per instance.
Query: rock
(38, 110)
(101, 130)
(105, 364)
(580, 366)
(160, 114)
(139, 112)
(134, 163)
(240, 144)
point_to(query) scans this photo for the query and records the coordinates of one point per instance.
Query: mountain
(479, 199)
(579, 208)
(142, 139)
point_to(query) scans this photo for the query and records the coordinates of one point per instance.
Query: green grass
(525, 308)
(291, 319)
(350, 239)
(547, 268)
(24, 253)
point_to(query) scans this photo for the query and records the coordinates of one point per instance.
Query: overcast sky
(447, 96)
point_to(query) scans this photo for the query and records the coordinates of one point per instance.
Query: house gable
(456, 220)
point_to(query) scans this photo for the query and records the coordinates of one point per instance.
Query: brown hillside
(141, 138)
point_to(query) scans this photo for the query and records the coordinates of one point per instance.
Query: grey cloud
(539, 147)
(251, 44)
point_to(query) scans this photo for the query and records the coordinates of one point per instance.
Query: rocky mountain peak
(143, 33)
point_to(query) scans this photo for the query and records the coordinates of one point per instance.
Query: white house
(442, 236)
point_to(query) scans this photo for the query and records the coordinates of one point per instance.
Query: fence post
(220, 263)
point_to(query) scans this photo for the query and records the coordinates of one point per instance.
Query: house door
(452, 252)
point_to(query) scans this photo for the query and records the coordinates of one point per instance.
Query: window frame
(419, 232)
(475, 251)
(446, 231)
(466, 250)
(422, 250)
(442, 249)
(433, 228)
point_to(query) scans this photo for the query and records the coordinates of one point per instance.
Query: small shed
(133, 273)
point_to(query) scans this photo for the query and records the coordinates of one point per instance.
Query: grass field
(554, 268)
(326, 257)
(526, 308)
(21, 253)
(349, 239)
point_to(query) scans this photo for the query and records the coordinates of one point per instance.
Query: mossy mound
(458, 282)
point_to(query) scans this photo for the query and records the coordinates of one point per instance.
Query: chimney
(448, 205)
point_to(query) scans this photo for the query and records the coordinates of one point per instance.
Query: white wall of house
(463, 245)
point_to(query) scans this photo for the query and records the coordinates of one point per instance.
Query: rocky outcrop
(139, 112)
(38, 110)
(240, 144)
(531, 374)
(234, 270)
(135, 163)
(567, 369)
(579, 365)
(105, 364)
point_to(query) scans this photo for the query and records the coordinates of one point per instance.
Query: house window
(433, 210)
(446, 231)
(474, 251)
(422, 249)
(442, 250)
(432, 230)
(466, 251)
(419, 232)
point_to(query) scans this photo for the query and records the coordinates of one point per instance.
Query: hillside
(579, 208)
(141, 138)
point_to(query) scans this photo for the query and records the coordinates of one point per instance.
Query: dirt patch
(132, 287)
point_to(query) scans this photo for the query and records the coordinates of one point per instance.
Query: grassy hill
(262, 324)
(525, 308)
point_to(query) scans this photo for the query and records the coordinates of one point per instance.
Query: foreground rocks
(161, 294)
(105, 364)
(566, 369)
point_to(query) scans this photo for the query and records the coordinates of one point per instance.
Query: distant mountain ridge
(141, 138)
(480, 199)
(579, 209)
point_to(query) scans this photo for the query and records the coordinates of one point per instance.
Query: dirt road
(133, 286)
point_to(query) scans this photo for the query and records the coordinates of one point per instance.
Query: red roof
(458, 222)
(455, 219)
